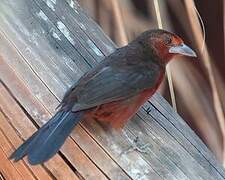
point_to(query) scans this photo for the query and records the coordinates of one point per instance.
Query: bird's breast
(117, 113)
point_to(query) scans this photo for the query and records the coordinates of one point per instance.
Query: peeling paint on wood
(51, 4)
(94, 48)
(42, 15)
(65, 31)
(55, 35)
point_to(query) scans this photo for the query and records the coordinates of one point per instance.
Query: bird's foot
(137, 146)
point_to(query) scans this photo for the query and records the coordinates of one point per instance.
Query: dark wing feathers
(110, 84)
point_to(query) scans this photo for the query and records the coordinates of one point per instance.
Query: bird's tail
(45, 143)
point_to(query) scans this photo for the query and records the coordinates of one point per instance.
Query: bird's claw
(141, 149)
(148, 110)
(136, 146)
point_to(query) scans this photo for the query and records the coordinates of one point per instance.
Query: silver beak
(182, 50)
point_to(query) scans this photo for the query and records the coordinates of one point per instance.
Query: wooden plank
(169, 158)
(7, 149)
(197, 159)
(25, 128)
(191, 136)
(60, 43)
(94, 32)
(55, 9)
(190, 133)
(44, 55)
(48, 11)
(39, 8)
(27, 99)
(43, 115)
(76, 156)
(181, 139)
(81, 162)
(59, 10)
(98, 155)
(171, 148)
(33, 106)
(64, 13)
(140, 166)
(201, 159)
(38, 171)
(205, 157)
(17, 63)
(7, 168)
(119, 144)
(167, 163)
(114, 143)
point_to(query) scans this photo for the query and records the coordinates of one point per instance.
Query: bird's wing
(108, 85)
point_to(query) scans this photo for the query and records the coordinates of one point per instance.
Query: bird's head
(164, 45)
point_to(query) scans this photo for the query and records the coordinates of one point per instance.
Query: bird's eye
(168, 41)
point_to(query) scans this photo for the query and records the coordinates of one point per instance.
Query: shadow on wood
(45, 46)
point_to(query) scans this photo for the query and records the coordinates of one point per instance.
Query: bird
(112, 92)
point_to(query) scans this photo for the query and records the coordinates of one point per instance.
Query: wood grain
(45, 47)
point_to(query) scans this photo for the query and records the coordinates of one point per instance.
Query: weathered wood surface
(45, 46)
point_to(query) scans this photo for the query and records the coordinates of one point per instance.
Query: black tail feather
(46, 142)
(23, 149)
